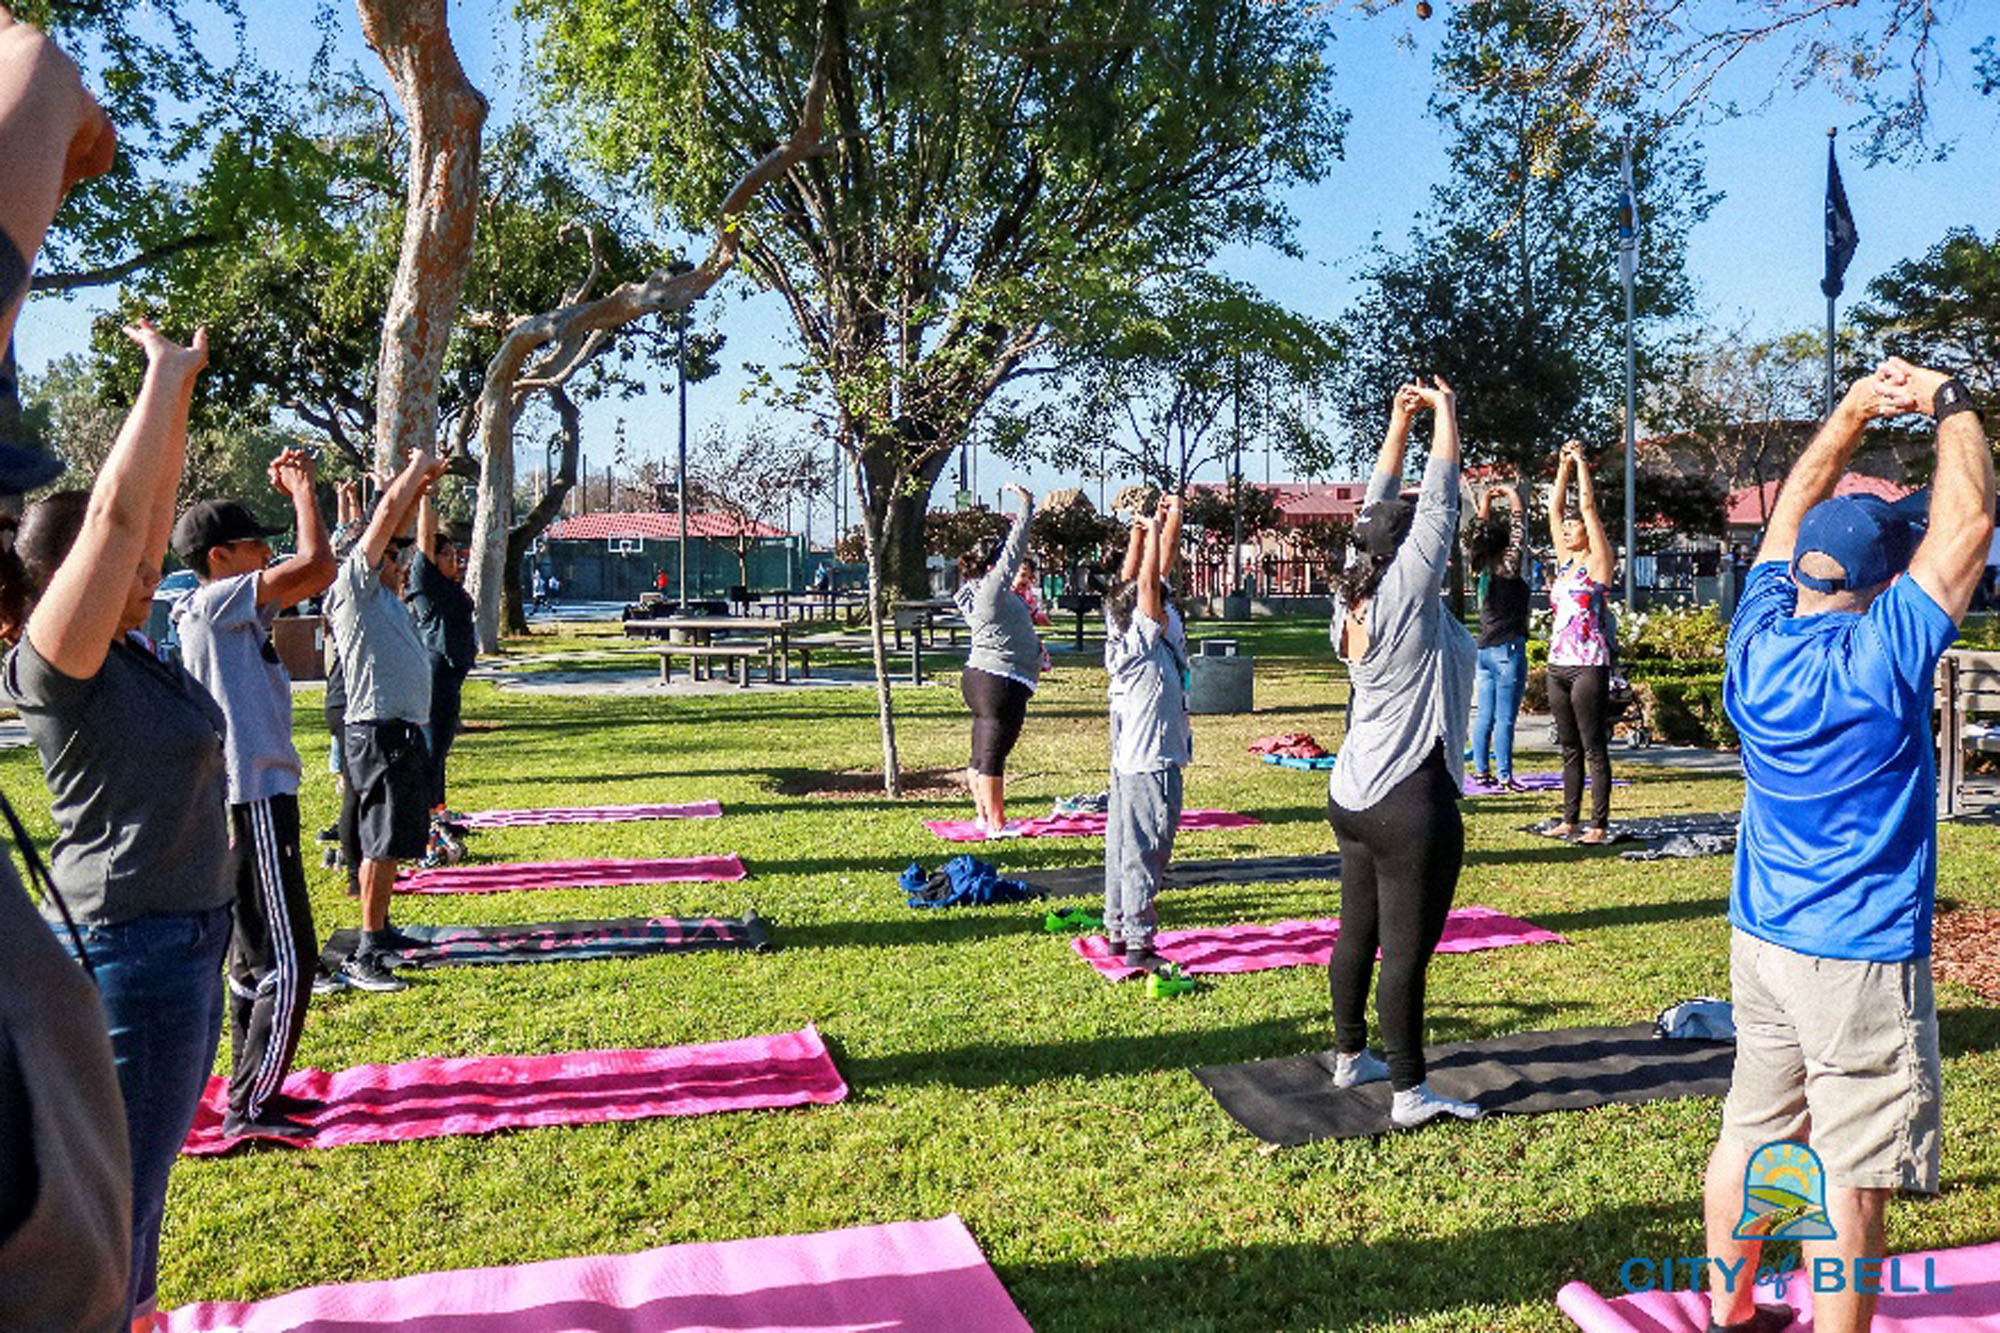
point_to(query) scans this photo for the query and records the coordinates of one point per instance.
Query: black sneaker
(1766, 1319)
(365, 971)
(391, 938)
(327, 982)
(266, 1125)
(1143, 958)
(290, 1107)
(331, 833)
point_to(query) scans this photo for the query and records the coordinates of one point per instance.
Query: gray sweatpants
(1138, 839)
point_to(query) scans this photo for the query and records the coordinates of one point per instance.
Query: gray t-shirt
(133, 759)
(1412, 689)
(387, 667)
(1004, 641)
(226, 645)
(1149, 715)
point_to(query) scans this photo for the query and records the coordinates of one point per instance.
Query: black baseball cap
(1383, 525)
(213, 523)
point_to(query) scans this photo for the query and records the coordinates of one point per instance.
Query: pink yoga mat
(907, 1275)
(591, 814)
(1257, 948)
(1082, 826)
(1971, 1306)
(436, 1097)
(570, 874)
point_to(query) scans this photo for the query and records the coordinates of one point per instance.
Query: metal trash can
(1221, 680)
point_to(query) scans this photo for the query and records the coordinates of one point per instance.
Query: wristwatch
(1952, 397)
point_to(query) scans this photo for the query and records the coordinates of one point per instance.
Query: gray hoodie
(1412, 689)
(1004, 642)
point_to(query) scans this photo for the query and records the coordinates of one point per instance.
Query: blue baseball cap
(1869, 538)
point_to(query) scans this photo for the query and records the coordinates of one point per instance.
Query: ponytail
(1357, 582)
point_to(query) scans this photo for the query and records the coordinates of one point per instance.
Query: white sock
(1419, 1106)
(1351, 1071)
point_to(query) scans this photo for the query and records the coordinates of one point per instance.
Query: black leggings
(999, 706)
(1578, 696)
(1399, 864)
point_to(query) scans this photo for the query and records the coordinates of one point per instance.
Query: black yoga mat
(1292, 1100)
(564, 941)
(1656, 830)
(1088, 881)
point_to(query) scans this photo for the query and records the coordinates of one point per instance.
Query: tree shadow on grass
(1969, 1031)
(1025, 1064)
(1633, 914)
(1386, 1280)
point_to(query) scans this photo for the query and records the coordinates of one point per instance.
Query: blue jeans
(160, 978)
(1496, 701)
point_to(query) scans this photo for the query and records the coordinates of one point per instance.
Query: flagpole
(1832, 131)
(1629, 263)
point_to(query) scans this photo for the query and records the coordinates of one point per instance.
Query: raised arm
(1517, 531)
(1559, 498)
(1008, 563)
(53, 134)
(398, 504)
(1597, 560)
(1152, 601)
(1134, 550)
(310, 568)
(1388, 475)
(427, 525)
(1812, 478)
(77, 616)
(1170, 535)
(1952, 557)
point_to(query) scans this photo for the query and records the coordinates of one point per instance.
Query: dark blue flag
(1840, 233)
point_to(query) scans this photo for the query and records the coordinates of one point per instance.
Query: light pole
(680, 318)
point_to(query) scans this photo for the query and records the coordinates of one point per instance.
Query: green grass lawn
(993, 1074)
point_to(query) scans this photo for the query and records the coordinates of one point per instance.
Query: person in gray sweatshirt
(1393, 796)
(1003, 666)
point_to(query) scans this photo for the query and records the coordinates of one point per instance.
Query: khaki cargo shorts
(1839, 1053)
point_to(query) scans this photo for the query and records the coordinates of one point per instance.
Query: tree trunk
(872, 553)
(522, 535)
(445, 114)
(897, 508)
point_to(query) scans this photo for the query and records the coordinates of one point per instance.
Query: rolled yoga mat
(904, 1275)
(1259, 948)
(563, 941)
(1088, 881)
(1292, 1100)
(1972, 1305)
(1082, 825)
(507, 876)
(437, 1097)
(590, 814)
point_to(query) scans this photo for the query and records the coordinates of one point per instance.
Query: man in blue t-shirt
(1831, 653)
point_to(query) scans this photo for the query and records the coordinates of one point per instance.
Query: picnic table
(731, 640)
(923, 618)
(1083, 603)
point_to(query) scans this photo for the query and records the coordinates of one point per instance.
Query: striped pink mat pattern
(510, 875)
(1915, 1299)
(904, 1275)
(1259, 948)
(591, 814)
(442, 1096)
(1082, 826)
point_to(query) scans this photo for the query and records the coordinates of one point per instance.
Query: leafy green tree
(1510, 287)
(1942, 310)
(1166, 382)
(995, 169)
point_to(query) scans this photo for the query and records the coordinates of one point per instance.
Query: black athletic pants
(1399, 864)
(348, 823)
(999, 706)
(1578, 697)
(271, 953)
(447, 691)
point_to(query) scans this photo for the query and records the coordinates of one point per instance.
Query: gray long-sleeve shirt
(1004, 641)
(1413, 687)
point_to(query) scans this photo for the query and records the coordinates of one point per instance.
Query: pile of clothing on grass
(963, 881)
(1290, 744)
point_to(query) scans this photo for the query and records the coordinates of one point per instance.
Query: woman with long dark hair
(1493, 550)
(1003, 666)
(1393, 797)
(1579, 672)
(132, 750)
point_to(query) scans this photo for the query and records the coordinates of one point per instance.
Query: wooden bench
(861, 643)
(1968, 690)
(736, 656)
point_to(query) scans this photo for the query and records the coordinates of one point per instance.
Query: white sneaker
(1351, 1071)
(1419, 1106)
(1011, 829)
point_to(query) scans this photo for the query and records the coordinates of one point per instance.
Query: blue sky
(1756, 260)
